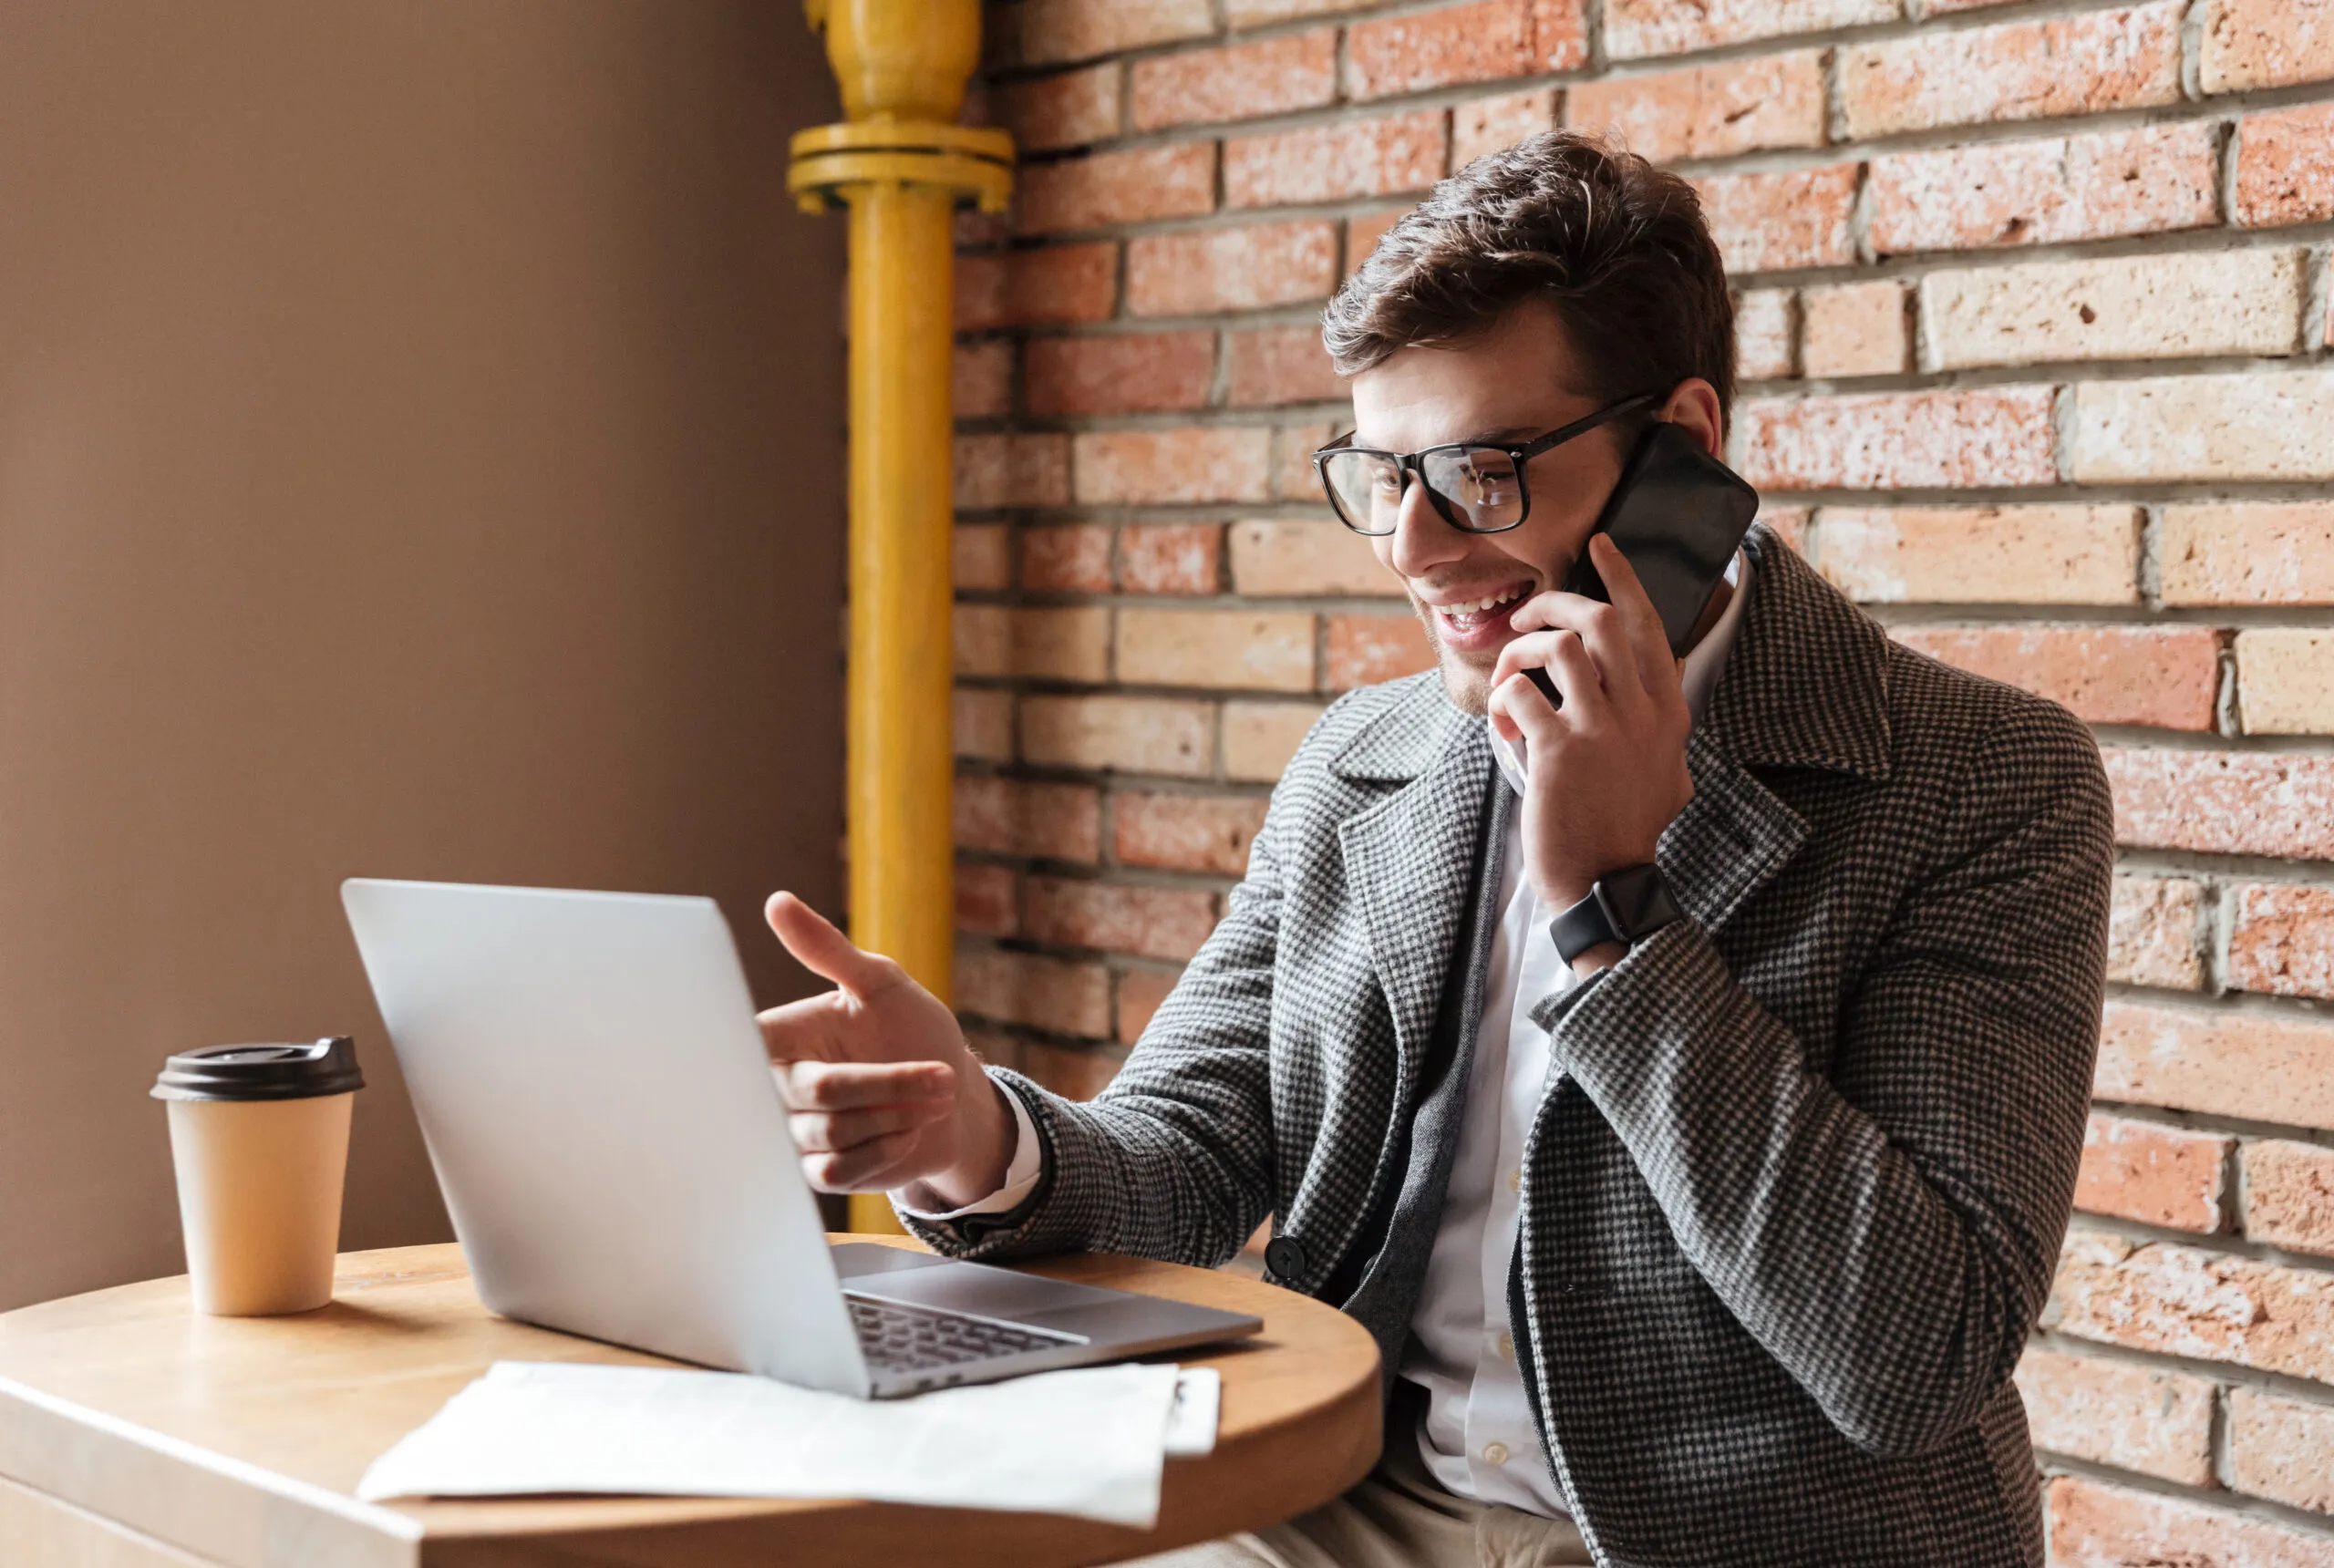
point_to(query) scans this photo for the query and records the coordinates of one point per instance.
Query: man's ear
(1693, 404)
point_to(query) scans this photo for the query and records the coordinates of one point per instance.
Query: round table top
(240, 1440)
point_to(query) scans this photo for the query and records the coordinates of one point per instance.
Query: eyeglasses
(1477, 487)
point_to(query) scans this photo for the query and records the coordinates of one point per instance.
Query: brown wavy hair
(1618, 246)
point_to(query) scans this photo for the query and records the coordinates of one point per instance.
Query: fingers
(872, 1167)
(809, 1030)
(841, 1131)
(824, 1085)
(825, 952)
(1641, 623)
(1602, 627)
(1524, 709)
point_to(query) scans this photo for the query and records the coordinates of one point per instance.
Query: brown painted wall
(421, 455)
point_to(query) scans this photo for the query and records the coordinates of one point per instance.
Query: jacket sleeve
(1887, 1230)
(1174, 1159)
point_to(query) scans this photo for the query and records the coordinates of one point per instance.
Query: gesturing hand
(1608, 768)
(881, 1090)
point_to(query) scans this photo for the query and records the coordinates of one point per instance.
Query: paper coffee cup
(259, 1136)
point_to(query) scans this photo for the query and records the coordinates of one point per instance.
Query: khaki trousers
(1396, 1518)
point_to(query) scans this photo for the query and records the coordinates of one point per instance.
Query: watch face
(1637, 901)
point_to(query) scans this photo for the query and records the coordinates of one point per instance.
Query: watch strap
(1626, 906)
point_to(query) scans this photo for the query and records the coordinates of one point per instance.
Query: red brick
(987, 900)
(2183, 1301)
(1481, 126)
(1945, 439)
(1057, 286)
(1855, 329)
(1235, 649)
(1304, 557)
(1259, 737)
(2248, 44)
(2094, 1525)
(2248, 552)
(1012, 468)
(1484, 41)
(2282, 1449)
(2154, 924)
(1186, 832)
(1148, 922)
(1364, 231)
(2285, 167)
(1169, 736)
(1294, 477)
(2092, 187)
(1254, 267)
(1708, 111)
(2158, 1423)
(980, 381)
(1020, 817)
(2056, 553)
(1066, 645)
(981, 724)
(1765, 335)
(2224, 803)
(2156, 1174)
(2289, 1195)
(2282, 940)
(1044, 993)
(1636, 28)
(1336, 163)
(1169, 557)
(1141, 991)
(1071, 1074)
(1790, 524)
(2220, 1063)
(1271, 365)
(1052, 31)
(2088, 64)
(1244, 81)
(980, 555)
(1075, 559)
(1774, 223)
(1204, 463)
(2164, 678)
(1124, 373)
(1048, 113)
(1364, 649)
(1172, 181)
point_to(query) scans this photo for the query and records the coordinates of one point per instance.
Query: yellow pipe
(901, 168)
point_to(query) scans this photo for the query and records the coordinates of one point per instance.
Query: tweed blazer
(1793, 1194)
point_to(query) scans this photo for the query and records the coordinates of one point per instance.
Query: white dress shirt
(1477, 1436)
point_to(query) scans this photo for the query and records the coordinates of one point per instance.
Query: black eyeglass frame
(1409, 463)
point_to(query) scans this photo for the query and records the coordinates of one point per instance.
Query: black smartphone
(1678, 515)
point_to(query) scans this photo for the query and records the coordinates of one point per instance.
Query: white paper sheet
(1090, 1441)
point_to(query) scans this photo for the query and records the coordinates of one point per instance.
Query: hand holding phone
(1678, 515)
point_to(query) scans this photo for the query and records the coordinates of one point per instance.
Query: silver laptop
(609, 1136)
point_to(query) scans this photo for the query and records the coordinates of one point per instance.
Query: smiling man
(1709, 1241)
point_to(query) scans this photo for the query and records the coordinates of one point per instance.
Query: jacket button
(1285, 1255)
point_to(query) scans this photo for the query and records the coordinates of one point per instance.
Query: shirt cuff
(1020, 1176)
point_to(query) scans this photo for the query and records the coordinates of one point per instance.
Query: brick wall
(2035, 319)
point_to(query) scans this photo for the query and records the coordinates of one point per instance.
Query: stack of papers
(1090, 1441)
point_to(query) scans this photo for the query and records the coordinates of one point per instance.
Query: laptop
(604, 1121)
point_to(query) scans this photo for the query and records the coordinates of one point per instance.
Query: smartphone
(1678, 515)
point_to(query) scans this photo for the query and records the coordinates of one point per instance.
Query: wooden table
(135, 1433)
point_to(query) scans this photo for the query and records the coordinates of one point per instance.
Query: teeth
(1478, 606)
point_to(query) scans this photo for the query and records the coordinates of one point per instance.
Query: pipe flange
(974, 164)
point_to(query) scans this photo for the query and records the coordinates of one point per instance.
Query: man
(1715, 1244)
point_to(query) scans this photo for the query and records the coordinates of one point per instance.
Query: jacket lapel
(1411, 859)
(1804, 687)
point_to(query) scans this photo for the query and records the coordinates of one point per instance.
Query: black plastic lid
(262, 1072)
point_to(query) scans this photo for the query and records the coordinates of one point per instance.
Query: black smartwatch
(1626, 907)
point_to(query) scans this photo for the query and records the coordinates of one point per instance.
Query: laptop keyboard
(911, 1338)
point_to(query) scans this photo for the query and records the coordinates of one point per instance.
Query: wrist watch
(1623, 906)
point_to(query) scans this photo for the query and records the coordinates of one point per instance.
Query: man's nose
(1422, 540)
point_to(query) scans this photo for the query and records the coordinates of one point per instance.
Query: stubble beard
(1468, 685)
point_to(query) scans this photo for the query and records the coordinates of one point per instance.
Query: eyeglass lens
(1478, 486)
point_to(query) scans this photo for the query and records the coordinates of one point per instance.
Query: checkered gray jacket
(1793, 1198)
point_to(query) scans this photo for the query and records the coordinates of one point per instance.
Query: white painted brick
(2274, 426)
(2127, 307)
